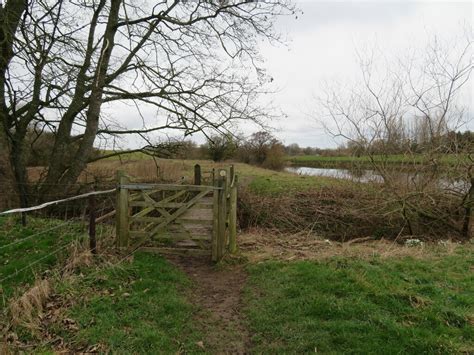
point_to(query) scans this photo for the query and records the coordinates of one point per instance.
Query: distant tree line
(262, 148)
(449, 142)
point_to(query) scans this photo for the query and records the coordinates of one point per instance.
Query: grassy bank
(53, 290)
(347, 305)
(26, 252)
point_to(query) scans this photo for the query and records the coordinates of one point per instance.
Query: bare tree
(9, 19)
(410, 107)
(64, 63)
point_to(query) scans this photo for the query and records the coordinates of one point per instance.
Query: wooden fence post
(232, 173)
(221, 240)
(122, 222)
(197, 174)
(215, 220)
(92, 216)
(233, 217)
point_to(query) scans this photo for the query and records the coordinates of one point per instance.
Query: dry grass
(27, 310)
(160, 170)
(263, 244)
(337, 212)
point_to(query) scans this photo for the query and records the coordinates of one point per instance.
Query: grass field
(261, 181)
(353, 306)
(333, 304)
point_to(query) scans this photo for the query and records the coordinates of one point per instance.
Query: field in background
(182, 171)
(338, 209)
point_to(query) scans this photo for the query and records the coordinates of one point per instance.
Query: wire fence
(52, 228)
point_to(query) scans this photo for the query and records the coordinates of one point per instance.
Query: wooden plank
(105, 216)
(147, 219)
(187, 243)
(179, 251)
(197, 228)
(168, 205)
(203, 235)
(204, 205)
(181, 236)
(156, 205)
(168, 187)
(206, 222)
(198, 213)
(163, 203)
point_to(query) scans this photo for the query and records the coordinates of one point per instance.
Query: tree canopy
(63, 64)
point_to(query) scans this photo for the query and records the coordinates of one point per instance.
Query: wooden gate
(169, 218)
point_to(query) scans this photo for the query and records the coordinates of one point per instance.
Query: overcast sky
(322, 46)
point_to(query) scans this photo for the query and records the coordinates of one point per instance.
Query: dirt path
(218, 294)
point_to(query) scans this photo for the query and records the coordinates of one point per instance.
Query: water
(359, 175)
(458, 185)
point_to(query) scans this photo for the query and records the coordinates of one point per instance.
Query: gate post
(197, 174)
(221, 244)
(215, 219)
(233, 216)
(122, 219)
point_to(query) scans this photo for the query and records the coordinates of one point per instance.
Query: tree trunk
(10, 15)
(8, 196)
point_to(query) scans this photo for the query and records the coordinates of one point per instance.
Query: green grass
(352, 306)
(135, 307)
(29, 247)
(269, 182)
